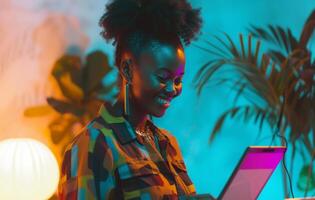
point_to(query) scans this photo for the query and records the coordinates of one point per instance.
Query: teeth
(163, 101)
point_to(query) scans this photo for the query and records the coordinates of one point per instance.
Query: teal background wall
(191, 118)
(62, 23)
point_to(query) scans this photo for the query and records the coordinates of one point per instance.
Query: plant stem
(285, 182)
(284, 175)
(309, 173)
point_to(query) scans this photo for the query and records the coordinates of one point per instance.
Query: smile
(163, 102)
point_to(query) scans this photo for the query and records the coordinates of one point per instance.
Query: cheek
(145, 88)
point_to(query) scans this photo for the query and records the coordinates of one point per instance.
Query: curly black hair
(131, 24)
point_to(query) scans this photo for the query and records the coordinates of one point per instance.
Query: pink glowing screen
(252, 173)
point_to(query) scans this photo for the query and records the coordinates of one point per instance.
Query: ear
(126, 69)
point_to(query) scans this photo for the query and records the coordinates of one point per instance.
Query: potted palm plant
(279, 85)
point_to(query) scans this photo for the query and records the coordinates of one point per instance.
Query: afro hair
(155, 19)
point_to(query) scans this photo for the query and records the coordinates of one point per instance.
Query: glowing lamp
(28, 170)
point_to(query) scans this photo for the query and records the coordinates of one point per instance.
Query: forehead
(162, 56)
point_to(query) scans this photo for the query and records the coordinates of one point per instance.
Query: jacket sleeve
(87, 168)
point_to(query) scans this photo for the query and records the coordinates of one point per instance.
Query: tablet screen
(253, 172)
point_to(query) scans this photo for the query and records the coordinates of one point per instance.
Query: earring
(126, 100)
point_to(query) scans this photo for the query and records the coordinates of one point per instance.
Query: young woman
(122, 154)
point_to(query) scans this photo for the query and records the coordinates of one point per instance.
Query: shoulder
(90, 146)
(162, 132)
(90, 135)
(95, 132)
(170, 137)
(174, 149)
(83, 161)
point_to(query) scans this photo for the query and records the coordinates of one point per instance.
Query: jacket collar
(122, 128)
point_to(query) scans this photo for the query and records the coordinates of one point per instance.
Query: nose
(170, 89)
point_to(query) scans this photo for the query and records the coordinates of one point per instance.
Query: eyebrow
(169, 71)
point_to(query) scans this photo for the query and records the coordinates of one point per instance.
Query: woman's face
(157, 78)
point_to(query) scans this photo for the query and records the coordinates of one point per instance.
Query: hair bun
(153, 17)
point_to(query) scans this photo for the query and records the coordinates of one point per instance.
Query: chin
(158, 114)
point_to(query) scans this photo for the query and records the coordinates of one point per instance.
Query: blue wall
(190, 118)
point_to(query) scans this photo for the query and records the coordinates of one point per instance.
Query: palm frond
(232, 48)
(246, 63)
(222, 51)
(276, 56)
(206, 72)
(307, 30)
(276, 35)
(283, 77)
(257, 76)
(247, 112)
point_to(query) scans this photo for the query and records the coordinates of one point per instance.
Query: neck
(137, 117)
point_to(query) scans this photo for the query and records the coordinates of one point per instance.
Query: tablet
(252, 172)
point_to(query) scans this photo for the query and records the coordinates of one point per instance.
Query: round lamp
(28, 170)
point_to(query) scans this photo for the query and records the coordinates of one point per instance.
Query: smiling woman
(156, 80)
(122, 154)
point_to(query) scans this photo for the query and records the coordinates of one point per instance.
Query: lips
(165, 102)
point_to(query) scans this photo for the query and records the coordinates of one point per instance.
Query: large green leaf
(38, 111)
(65, 107)
(69, 89)
(67, 72)
(68, 64)
(61, 127)
(96, 67)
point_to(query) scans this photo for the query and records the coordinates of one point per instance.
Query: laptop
(252, 172)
